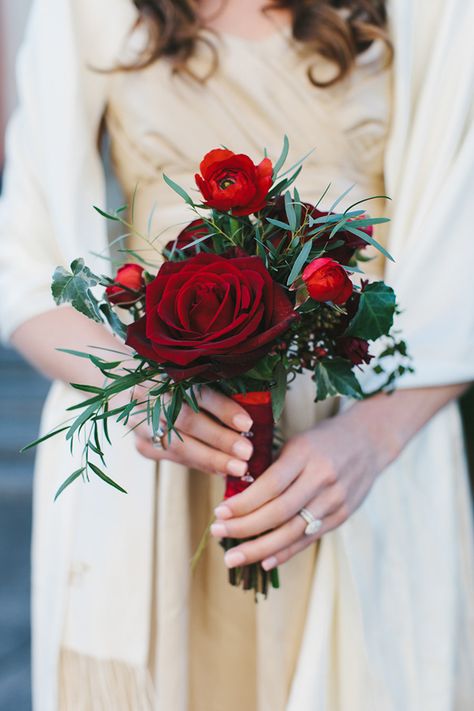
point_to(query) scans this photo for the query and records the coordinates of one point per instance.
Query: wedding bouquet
(259, 287)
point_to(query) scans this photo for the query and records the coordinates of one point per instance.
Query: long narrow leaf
(106, 478)
(299, 262)
(75, 475)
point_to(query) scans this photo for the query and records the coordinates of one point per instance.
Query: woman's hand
(211, 440)
(329, 470)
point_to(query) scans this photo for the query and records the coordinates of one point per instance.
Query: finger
(329, 524)
(202, 427)
(225, 409)
(271, 484)
(281, 509)
(192, 453)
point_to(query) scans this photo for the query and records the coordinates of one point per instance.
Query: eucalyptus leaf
(178, 189)
(75, 475)
(105, 478)
(283, 156)
(299, 262)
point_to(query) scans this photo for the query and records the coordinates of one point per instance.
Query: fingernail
(236, 468)
(243, 449)
(219, 529)
(223, 512)
(269, 563)
(233, 559)
(242, 422)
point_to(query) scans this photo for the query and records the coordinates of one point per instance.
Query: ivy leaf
(74, 288)
(374, 317)
(113, 320)
(335, 377)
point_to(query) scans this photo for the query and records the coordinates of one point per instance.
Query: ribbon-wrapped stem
(259, 407)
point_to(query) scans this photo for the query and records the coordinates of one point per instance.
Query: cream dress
(379, 616)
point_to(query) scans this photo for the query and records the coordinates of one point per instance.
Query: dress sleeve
(430, 178)
(53, 172)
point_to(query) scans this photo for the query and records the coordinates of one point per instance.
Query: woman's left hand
(328, 470)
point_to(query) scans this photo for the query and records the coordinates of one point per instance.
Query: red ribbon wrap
(259, 407)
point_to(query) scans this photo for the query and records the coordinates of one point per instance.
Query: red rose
(231, 181)
(128, 287)
(211, 316)
(195, 230)
(326, 280)
(354, 349)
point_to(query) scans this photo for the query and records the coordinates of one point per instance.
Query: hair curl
(338, 30)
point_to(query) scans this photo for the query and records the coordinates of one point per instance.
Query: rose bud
(128, 286)
(326, 280)
(192, 232)
(354, 349)
(231, 181)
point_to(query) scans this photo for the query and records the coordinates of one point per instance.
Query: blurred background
(22, 392)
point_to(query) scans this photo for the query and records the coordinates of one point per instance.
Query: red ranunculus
(128, 286)
(211, 316)
(231, 181)
(195, 230)
(326, 280)
(355, 349)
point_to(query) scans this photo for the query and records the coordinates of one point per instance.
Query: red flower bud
(327, 280)
(128, 286)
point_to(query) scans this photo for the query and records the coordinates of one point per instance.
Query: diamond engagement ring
(314, 524)
(157, 438)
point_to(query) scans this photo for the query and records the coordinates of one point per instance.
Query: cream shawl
(54, 175)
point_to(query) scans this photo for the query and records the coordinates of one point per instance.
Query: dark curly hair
(175, 30)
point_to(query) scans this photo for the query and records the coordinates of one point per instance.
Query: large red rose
(211, 316)
(327, 280)
(128, 286)
(231, 181)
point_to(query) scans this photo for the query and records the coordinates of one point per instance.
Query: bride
(376, 610)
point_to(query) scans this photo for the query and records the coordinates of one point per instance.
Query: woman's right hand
(211, 439)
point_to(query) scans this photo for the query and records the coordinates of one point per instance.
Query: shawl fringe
(91, 684)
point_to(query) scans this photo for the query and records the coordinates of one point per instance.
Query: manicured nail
(243, 449)
(236, 467)
(242, 422)
(234, 558)
(219, 530)
(223, 512)
(269, 563)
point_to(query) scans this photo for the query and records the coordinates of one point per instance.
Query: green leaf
(178, 189)
(105, 478)
(278, 223)
(279, 391)
(107, 215)
(335, 377)
(113, 320)
(283, 156)
(74, 288)
(374, 317)
(75, 475)
(349, 226)
(80, 421)
(299, 262)
(290, 212)
(42, 439)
